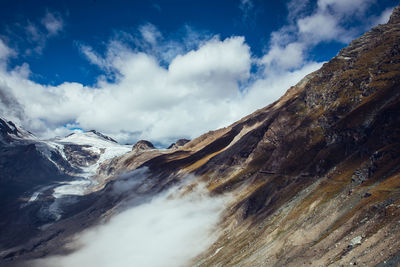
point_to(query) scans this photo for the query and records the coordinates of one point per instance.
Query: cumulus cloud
(197, 91)
(168, 230)
(284, 57)
(161, 88)
(147, 98)
(328, 22)
(320, 27)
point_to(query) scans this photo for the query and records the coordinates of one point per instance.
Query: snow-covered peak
(91, 138)
(77, 155)
(95, 144)
(9, 131)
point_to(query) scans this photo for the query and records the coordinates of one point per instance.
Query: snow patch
(34, 196)
(355, 241)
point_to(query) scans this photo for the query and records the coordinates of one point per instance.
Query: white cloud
(280, 57)
(53, 23)
(384, 17)
(150, 33)
(296, 9)
(328, 22)
(214, 69)
(92, 56)
(5, 51)
(169, 230)
(30, 37)
(165, 89)
(156, 102)
(344, 7)
(320, 27)
(199, 90)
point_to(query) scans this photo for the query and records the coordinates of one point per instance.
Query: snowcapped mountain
(87, 150)
(33, 169)
(84, 151)
(41, 179)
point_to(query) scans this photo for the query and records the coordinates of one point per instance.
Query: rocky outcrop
(7, 128)
(9, 132)
(178, 143)
(80, 155)
(395, 17)
(142, 145)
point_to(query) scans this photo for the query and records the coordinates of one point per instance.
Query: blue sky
(161, 70)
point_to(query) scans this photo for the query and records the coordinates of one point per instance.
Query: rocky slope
(315, 176)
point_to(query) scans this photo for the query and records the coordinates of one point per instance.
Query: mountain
(35, 173)
(314, 177)
(142, 145)
(10, 132)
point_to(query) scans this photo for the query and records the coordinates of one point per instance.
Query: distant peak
(142, 145)
(102, 135)
(179, 143)
(9, 129)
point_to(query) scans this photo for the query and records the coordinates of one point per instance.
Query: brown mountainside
(317, 173)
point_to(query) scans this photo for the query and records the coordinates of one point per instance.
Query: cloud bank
(161, 89)
(169, 230)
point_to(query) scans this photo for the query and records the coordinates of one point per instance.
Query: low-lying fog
(168, 230)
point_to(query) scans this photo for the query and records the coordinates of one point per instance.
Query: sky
(167, 69)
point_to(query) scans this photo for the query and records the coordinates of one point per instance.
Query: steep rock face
(7, 129)
(23, 169)
(21, 157)
(9, 132)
